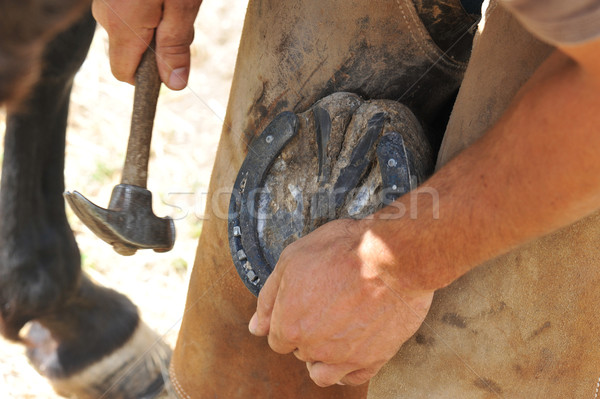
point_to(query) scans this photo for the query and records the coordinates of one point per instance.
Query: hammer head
(129, 223)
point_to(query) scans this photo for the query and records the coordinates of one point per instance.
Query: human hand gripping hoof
(325, 297)
(326, 303)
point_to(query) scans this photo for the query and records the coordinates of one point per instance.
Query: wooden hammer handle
(147, 86)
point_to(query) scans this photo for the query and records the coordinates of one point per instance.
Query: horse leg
(291, 55)
(86, 339)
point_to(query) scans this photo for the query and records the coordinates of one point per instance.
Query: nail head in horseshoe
(243, 235)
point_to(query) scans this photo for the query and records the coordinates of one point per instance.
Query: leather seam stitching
(176, 385)
(413, 29)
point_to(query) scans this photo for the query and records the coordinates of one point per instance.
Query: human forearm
(533, 172)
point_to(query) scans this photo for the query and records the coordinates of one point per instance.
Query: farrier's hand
(329, 305)
(132, 23)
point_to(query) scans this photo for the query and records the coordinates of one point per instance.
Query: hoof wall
(136, 370)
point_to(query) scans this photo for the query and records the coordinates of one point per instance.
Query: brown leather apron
(291, 55)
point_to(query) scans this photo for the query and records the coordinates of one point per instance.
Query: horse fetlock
(93, 322)
(38, 272)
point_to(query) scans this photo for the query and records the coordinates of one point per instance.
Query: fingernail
(253, 324)
(178, 78)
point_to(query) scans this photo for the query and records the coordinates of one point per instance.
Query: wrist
(394, 264)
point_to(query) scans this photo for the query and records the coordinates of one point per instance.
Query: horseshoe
(247, 214)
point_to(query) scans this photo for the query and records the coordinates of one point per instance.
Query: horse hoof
(136, 370)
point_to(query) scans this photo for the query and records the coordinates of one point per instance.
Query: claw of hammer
(129, 223)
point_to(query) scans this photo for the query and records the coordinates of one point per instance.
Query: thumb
(174, 35)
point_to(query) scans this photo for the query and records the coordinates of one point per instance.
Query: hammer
(129, 223)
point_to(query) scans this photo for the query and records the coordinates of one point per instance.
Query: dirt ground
(186, 133)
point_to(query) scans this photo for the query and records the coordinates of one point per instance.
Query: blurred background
(186, 133)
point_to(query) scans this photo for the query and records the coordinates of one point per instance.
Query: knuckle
(275, 344)
(120, 76)
(288, 254)
(111, 24)
(189, 6)
(98, 11)
(358, 377)
(185, 8)
(303, 356)
(263, 306)
(291, 333)
(322, 382)
(174, 49)
(323, 354)
(174, 38)
(361, 376)
(283, 258)
(118, 71)
(262, 327)
(322, 378)
(106, 16)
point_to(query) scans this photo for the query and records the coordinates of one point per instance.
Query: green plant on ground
(104, 172)
(179, 265)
